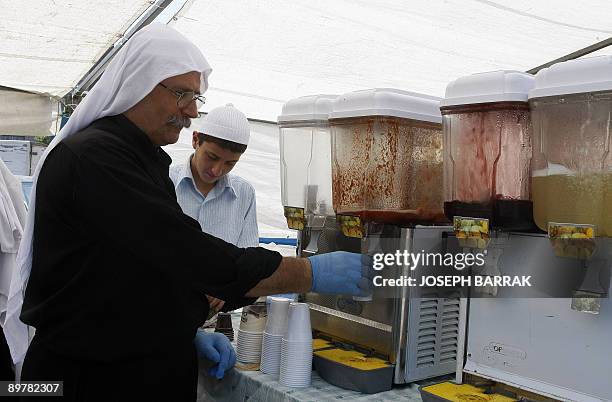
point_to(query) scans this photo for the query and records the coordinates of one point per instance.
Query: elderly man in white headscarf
(116, 274)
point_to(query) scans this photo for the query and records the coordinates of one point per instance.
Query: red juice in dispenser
(487, 149)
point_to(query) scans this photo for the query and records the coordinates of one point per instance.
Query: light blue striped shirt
(227, 212)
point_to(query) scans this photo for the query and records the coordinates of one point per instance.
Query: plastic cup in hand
(367, 273)
(277, 316)
(298, 325)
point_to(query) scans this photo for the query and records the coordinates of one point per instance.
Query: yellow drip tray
(353, 370)
(352, 359)
(448, 391)
(319, 343)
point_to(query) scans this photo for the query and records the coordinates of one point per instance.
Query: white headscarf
(154, 53)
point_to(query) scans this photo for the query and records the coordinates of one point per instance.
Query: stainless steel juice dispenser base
(416, 331)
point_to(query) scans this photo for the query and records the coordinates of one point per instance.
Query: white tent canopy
(266, 52)
(48, 46)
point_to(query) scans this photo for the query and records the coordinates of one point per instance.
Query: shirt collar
(226, 183)
(223, 184)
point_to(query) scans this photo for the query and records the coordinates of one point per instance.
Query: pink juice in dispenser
(487, 149)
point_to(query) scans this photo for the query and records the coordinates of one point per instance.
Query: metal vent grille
(428, 327)
(438, 331)
(450, 331)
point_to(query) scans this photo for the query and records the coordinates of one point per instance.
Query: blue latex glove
(217, 348)
(340, 272)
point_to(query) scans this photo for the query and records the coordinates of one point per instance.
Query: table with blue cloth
(240, 385)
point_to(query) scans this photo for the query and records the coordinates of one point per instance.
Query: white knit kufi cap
(227, 123)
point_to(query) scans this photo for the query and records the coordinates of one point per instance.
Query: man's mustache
(179, 121)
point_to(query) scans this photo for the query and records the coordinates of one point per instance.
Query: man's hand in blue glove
(216, 348)
(340, 272)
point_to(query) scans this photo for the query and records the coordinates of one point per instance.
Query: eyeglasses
(186, 97)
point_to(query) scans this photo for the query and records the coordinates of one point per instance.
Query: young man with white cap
(223, 203)
(112, 274)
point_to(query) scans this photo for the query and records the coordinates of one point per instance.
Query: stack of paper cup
(296, 348)
(250, 333)
(276, 327)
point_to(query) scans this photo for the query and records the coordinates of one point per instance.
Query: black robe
(119, 273)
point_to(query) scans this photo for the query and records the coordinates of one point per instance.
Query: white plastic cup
(297, 353)
(290, 296)
(298, 325)
(277, 316)
(296, 364)
(271, 354)
(366, 272)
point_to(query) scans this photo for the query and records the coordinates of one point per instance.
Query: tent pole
(579, 53)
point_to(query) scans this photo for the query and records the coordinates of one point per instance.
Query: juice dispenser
(305, 149)
(572, 163)
(387, 157)
(487, 149)
(386, 164)
(552, 338)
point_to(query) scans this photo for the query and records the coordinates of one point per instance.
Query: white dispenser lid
(387, 102)
(590, 74)
(307, 108)
(492, 86)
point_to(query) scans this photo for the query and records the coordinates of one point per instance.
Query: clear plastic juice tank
(387, 156)
(487, 149)
(572, 161)
(305, 158)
